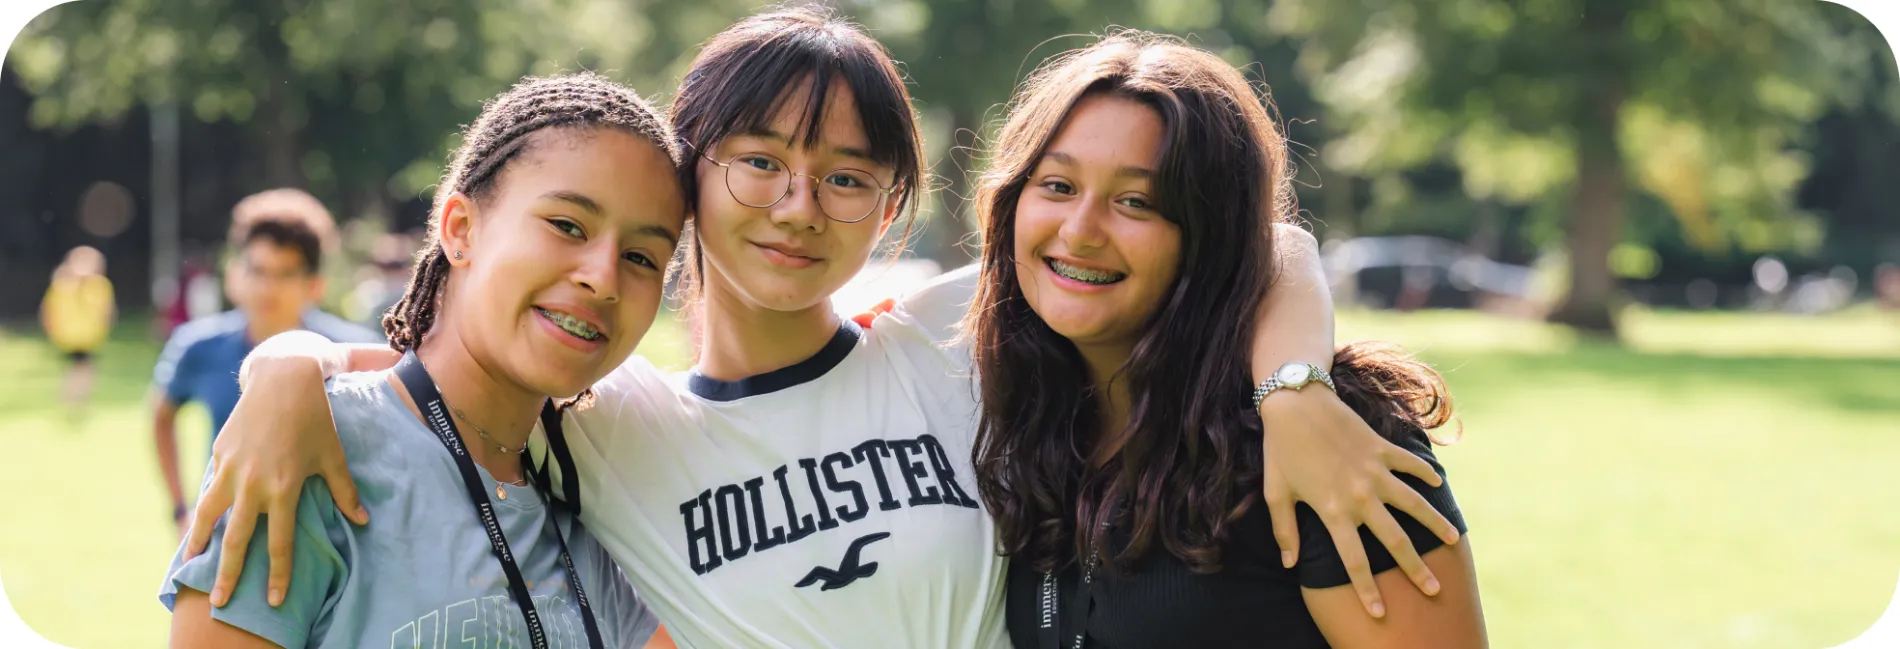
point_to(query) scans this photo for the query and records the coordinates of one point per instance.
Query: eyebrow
(846, 151)
(659, 232)
(577, 199)
(1126, 171)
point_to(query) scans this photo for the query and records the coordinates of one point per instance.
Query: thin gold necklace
(500, 492)
(484, 432)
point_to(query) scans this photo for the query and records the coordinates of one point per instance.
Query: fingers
(237, 539)
(211, 505)
(1286, 529)
(1393, 537)
(280, 528)
(1403, 461)
(1353, 554)
(1401, 495)
(343, 490)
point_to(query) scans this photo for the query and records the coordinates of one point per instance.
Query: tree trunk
(1596, 218)
(280, 108)
(283, 166)
(1337, 211)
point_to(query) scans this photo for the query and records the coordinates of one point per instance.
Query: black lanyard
(429, 401)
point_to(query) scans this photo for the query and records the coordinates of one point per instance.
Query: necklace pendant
(500, 491)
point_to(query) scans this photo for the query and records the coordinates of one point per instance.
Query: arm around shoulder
(193, 582)
(1453, 619)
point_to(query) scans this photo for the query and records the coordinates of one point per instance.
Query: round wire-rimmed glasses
(761, 180)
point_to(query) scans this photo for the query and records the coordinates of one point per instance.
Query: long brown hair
(1191, 463)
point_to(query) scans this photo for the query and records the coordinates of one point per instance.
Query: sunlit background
(1653, 246)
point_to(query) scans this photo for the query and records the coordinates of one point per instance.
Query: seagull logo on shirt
(849, 571)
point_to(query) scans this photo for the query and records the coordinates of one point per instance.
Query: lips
(577, 323)
(794, 257)
(1084, 274)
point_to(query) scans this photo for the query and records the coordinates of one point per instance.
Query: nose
(599, 271)
(800, 209)
(1081, 230)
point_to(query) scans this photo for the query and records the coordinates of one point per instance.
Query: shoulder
(1320, 564)
(338, 329)
(206, 330)
(368, 416)
(939, 305)
(209, 327)
(635, 384)
(634, 400)
(319, 569)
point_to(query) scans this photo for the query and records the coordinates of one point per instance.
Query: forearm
(1295, 320)
(165, 437)
(292, 350)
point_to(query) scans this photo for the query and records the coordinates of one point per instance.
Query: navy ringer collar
(804, 371)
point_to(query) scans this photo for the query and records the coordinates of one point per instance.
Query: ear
(232, 278)
(890, 213)
(456, 228)
(317, 286)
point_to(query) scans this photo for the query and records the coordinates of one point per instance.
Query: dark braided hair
(500, 134)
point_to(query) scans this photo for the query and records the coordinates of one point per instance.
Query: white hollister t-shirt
(826, 504)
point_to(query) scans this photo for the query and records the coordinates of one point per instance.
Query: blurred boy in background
(273, 276)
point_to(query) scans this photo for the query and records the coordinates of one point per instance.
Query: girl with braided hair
(809, 482)
(543, 269)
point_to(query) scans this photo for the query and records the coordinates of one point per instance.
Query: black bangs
(747, 75)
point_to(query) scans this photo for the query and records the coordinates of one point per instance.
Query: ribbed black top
(1251, 602)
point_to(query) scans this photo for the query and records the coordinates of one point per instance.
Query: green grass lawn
(1721, 481)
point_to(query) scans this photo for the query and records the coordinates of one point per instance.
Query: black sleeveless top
(1251, 602)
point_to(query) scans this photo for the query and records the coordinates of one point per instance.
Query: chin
(1080, 332)
(562, 386)
(785, 296)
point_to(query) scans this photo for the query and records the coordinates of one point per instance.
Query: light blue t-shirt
(421, 574)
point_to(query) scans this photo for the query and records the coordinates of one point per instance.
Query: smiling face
(791, 255)
(1093, 256)
(562, 266)
(272, 283)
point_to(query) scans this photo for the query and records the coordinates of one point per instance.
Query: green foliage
(350, 93)
(1715, 96)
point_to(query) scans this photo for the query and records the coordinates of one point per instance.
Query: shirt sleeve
(624, 619)
(172, 372)
(938, 308)
(339, 330)
(317, 574)
(1320, 565)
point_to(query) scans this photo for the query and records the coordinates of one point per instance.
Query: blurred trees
(339, 95)
(1689, 126)
(1702, 103)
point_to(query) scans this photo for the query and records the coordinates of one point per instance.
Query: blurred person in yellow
(77, 314)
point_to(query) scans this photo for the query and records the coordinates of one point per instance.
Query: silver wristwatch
(1294, 375)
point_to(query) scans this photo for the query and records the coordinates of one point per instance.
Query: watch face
(1293, 375)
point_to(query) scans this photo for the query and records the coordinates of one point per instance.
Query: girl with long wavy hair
(1129, 212)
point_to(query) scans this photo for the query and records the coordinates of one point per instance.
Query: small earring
(458, 255)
